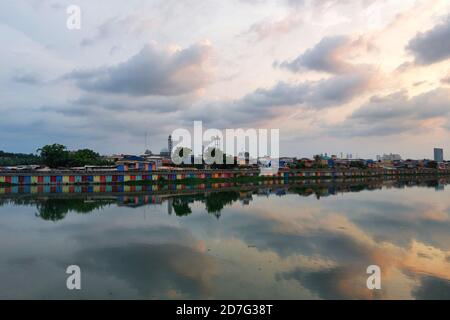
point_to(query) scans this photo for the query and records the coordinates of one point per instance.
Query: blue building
(438, 155)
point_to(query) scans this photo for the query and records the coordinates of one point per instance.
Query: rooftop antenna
(146, 147)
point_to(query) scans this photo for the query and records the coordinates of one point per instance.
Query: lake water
(280, 242)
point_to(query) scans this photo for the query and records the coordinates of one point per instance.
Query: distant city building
(165, 153)
(438, 155)
(389, 157)
(158, 160)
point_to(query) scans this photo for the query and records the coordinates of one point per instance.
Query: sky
(365, 77)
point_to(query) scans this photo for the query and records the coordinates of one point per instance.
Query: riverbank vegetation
(53, 156)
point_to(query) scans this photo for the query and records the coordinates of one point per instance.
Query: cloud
(159, 87)
(446, 79)
(335, 283)
(26, 78)
(155, 269)
(322, 57)
(395, 113)
(431, 46)
(85, 103)
(407, 221)
(330, 55)
(343, 245)
(432, 288)
(317, 94)
(132, 23)
(267, 28)
(328, 4)
(264, 103)
(151, 72)
(428, 105)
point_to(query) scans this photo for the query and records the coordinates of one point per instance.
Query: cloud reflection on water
(276, 247)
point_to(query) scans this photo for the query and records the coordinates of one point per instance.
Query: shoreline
(168, 190)
(191, 177)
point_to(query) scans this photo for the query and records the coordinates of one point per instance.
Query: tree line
(54, 156)
(14, 159)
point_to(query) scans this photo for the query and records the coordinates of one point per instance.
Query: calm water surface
(274, 243)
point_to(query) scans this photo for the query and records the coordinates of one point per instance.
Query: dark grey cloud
(394, 113)
(332, 54)
(398, 105)
(88, 125)
(383, 108)
(317, 94)
(431, 46)
(86, 104)
(262, 103)
(26, 78)
(150, 72)
(320, 58)
(432, 288)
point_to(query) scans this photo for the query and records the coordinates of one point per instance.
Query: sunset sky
(354, 76)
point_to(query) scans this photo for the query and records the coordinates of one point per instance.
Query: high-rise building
(438, 155)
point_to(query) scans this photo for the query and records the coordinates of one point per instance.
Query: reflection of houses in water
(331, 190)
(440, 185)
(246, 197)
(169, 205)
(137, 201)
(54, 207)
(264, 192)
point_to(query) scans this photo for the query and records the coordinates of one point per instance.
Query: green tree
(318, 162)
(55, 155)
(85, 157)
